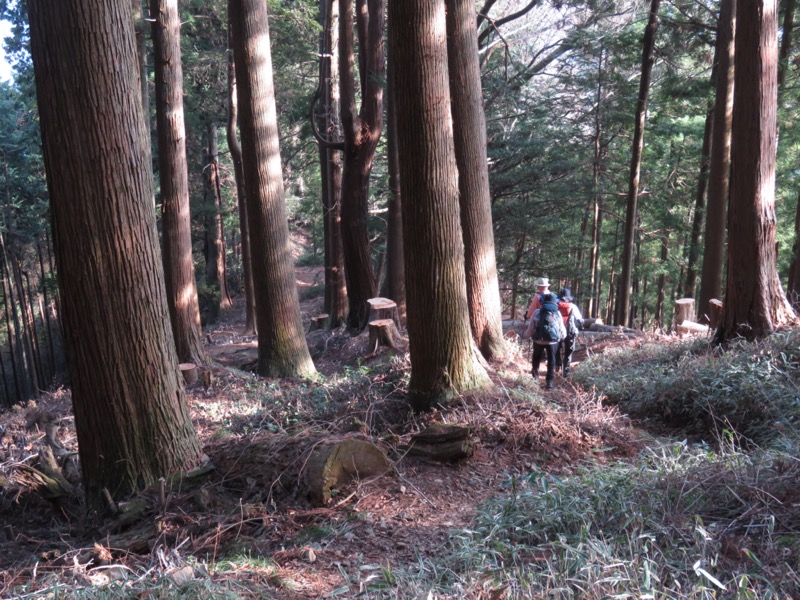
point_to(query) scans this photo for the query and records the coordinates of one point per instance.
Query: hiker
(573, 322)
(542, 288)
(547, 330)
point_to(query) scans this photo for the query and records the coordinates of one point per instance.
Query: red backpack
(565, 310)
(569, 321)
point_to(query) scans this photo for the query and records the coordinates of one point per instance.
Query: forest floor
(247, 538)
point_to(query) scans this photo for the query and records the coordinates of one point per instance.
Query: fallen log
(442, 443)
(688, 327)
(276, 466)
(619, 329)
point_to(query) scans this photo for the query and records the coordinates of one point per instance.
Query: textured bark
(184, 310)
(699, 208)
(282, 349)
(131, 416)
(443, 359)
(216, 271)
(754, 301)
(362, 130)
(13, 341)
(395, 269)
(720, 166)
(623, 301)
(140, 27)
(241, 199)
(662, 281)
(593, 302)
(786, 43)
(469, 133)
(331, 167)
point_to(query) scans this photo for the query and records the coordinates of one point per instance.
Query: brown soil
(384, 521)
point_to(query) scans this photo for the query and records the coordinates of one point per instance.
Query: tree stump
(189, 371)
(319, 322)
(714, 313)
(382, 333)
(684, 310)
(383, 308)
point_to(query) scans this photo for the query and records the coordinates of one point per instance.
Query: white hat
(542, 282)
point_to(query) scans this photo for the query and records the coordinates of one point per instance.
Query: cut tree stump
(276, 466)
(189, 371)
(684, 310)
(383, 308)
(332, 464)
(442, 443)
(383, 333)
(714, 313)
(319, 322)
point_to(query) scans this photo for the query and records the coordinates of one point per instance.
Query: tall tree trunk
(699, 208)
(443, 359)
(754, 300)
(241, 197)
(662, 280)
(140, 28)
(720, 165)
(11, 334)
(216, 272)
(469, 133)
(395, 270)
(131, 416)
(282, 349)
(362, 130)
(648, 58)
(331, 166)
(46, 313)
(33, 334)
(173, 173)
(786, 43)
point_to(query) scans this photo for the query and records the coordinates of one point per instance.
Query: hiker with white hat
(542, 288)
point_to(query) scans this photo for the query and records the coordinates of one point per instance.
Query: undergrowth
(752, 388)
(680, 523)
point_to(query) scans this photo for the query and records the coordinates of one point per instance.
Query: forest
(264, 279)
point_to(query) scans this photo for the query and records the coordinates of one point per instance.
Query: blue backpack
(547, 323)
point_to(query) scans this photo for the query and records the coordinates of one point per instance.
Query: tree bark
(331, 167)
(395, 271)
(699, 208)
(241, 198)
(282, 349)
(184, 310)
(623, 302)
(720, 165)
(131, 416)
(443, 358)
(216, 271)
(754, 300)
(469, 133)
(362, 130)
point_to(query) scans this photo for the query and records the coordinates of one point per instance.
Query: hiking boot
(548, 385)
(566, 373)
